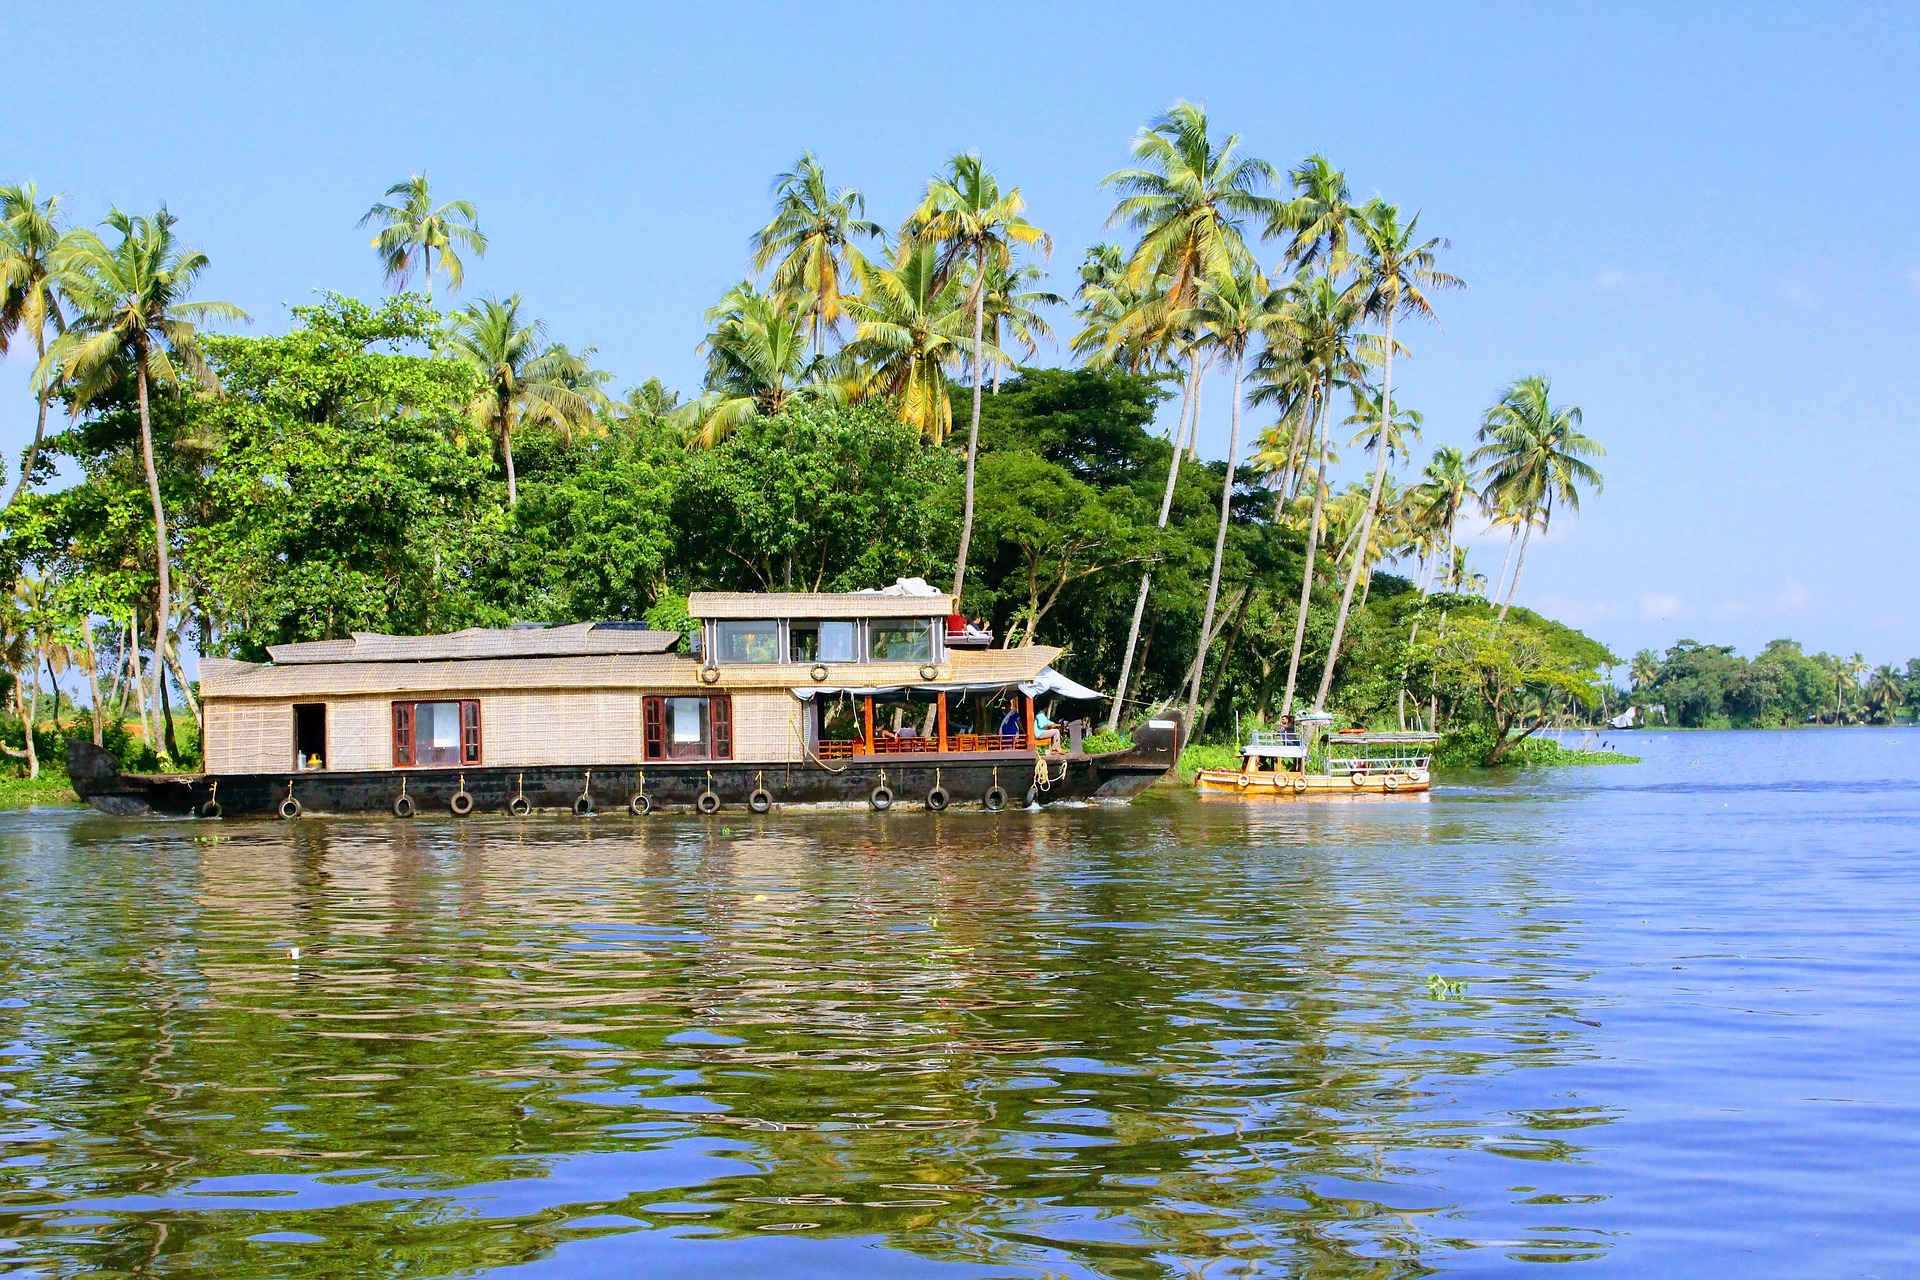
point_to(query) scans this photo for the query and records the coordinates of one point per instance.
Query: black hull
(967, 780)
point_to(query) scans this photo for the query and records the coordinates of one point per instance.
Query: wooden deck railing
(888, 745)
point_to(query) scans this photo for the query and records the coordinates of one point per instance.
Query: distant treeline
(1709, 686)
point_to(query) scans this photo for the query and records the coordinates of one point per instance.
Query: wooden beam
(943, 721)
(867, 704)
(1030, 742)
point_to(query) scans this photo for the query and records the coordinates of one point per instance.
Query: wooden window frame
(405, 723)
(653, 718)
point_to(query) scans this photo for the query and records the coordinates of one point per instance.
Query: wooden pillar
(867, 709)
(942, 714)
(1030, 742)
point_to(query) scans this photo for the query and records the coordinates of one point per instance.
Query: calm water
(1181, 1038)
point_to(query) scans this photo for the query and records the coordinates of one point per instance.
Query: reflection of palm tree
(1534, 456)
(413, 230)
(31, 270)
(813, 237)
(522, 378)
(132, 312)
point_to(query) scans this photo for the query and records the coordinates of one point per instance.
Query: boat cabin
(779, 678)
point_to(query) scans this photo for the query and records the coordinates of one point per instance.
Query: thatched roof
(577, 639)
(756, 605)
(661, 673)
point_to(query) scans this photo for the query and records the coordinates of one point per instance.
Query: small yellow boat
(1281, 763)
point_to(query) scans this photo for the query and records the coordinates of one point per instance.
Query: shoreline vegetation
(873, 407)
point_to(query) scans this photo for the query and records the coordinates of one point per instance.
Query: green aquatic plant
(1445, 988)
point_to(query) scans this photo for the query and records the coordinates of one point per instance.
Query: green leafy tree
(413, 229)
(339, 497)
(977, 226)
(1511, 680)
(1057, 528)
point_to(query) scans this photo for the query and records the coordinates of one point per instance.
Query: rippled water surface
(1186, 1037)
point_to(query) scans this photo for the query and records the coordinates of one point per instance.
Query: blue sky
(1698, 220)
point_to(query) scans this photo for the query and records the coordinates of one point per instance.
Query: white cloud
(1792, 598)
(1658, 606)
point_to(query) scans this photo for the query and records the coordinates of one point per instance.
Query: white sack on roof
(1048, 681)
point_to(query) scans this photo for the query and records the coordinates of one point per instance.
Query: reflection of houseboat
(1309, 761)
(869, 697)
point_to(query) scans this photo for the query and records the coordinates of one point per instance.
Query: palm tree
(1394, 271)
(1318, 220)
(1446, 484)
(1234, 313)
(810, 242)
(758, 359)
(911, 327)
(1120, 326)
(1645, 669)
(30, 283)
(131, 314)
(965, 215)
(413, 230)
(1189, 200)
(522, 378)
(1013, 311)
(1320, 327)
(1534, 456)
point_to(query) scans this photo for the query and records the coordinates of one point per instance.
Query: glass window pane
(901, 640)
(688, 728)
(436, 733)
(748, 642)
(822, 642)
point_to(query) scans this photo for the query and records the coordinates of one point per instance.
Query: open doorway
(309, 735)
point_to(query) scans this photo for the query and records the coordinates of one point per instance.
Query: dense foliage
(1709, 686)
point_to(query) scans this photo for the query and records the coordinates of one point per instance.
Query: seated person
(1045, 730)
(1010, 723)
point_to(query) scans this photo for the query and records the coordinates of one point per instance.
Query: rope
(795, 738)
(1040, 775)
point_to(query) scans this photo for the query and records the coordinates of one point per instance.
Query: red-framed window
(692, 728)
(440, 733)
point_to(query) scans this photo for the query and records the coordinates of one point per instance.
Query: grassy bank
(1464, 752)
(51, 788)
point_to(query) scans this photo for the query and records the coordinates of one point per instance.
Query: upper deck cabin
(778, 678)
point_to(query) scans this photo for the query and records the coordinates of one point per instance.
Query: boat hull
(967, 780)
(1292, 786)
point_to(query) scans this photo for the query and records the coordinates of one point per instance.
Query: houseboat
(873, 697)
(1308, 760)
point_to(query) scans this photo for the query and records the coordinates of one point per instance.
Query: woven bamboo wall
(540, 727)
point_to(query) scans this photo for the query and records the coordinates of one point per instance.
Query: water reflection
(1161, 1040)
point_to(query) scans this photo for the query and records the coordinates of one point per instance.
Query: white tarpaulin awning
(1048, 681)
(1051, 681)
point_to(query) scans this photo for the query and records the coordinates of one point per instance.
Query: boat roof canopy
(579, 639)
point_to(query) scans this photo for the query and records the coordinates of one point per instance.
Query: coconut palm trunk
(1146, 576)
(164, 603)
(1366, 525)
(973, 428)
(1313, 545)
(1219, 544)
(1519, 563)
(39, 429)
(93, 681)
(513, 486)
